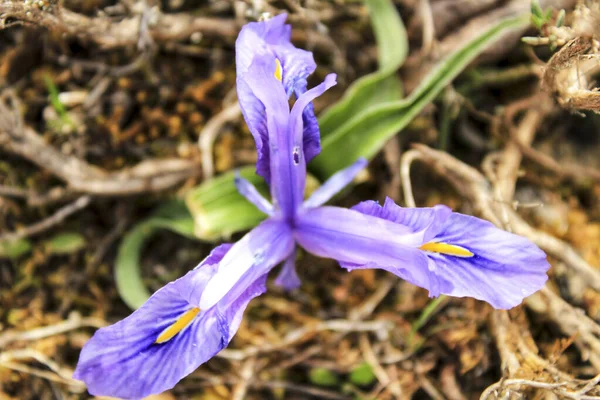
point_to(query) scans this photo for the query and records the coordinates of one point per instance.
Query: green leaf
(219, 210)
(58, 106)
(428, 312)
(65, 243)
(535, 8)
(365, 135)
(382, 85)
(323, 377)
(560, 19)
(173, 216)
(362, 375)
(13, 249)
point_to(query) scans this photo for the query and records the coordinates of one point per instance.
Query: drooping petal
(333, 185)
(357, 240)
(165, 339)
(272, 38)
(251, 257)
(288, 277)
(468, 256)
(428, 220)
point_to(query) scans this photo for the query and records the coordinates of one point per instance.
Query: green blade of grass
(173, 216)
(365, 135)
(382, 85)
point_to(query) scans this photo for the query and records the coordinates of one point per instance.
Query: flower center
(173, 329)
(448, 249)
(278, 70)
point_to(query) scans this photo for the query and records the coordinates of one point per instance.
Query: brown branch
(45, 224)
(162, 28)
(572, 322)
(147, 176)
(109, 33)
(570, 171)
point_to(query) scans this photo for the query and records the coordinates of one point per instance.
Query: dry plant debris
(147, 112)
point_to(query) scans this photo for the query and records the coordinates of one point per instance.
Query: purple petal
(249, 191)
(254, 114)
(297, 174)
(312, 133)
(504, 269)
(288, 277)
(123, 360)
(251, 257)
(296, 120)
(428, 220)
(361, 241)
(273, 36)
(272, 39)
(261, 80)
(333, 185)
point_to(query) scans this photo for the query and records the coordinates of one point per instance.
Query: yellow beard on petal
(278, 70)
(448, 249)
(177, 326)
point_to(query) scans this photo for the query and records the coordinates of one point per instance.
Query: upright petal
(296, 130)
(311, 137)
(250, 258)
(468, 256)
(165, 339)
(263, 84)
(272, 38)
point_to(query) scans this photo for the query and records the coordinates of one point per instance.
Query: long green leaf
(382, 85)
(173, 216)
(364, 136)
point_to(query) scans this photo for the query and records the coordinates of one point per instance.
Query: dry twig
(75, 321)
(53, 220)
(162, 28)
(211, 131)
(147, 176)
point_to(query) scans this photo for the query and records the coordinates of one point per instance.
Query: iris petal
(288, 277)
(333, 185)
(123, 360)
(362, 241)
(261, 80)
(494, 265)
(251, 257)
(272, 38)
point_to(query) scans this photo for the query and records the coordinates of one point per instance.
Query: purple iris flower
(190, 320)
